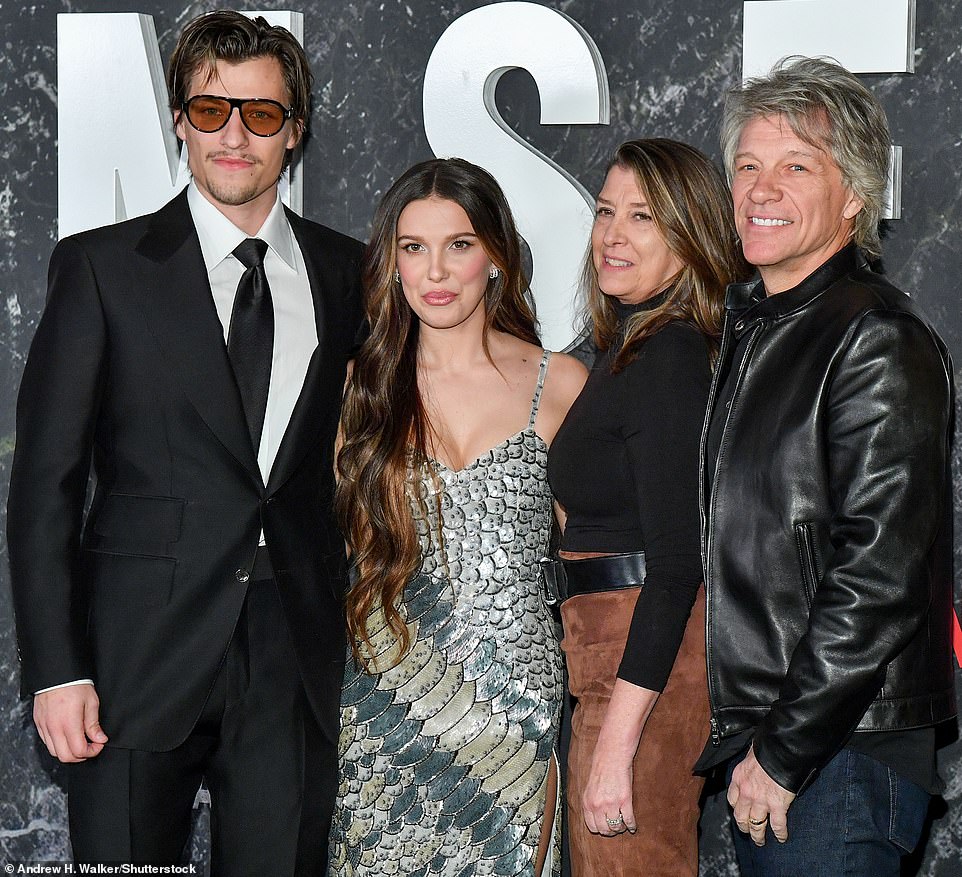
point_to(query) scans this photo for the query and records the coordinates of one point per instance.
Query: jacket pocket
(807, 558)
(122, 581)
(140, 519)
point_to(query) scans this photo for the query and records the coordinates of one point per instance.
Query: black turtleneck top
(624, 465)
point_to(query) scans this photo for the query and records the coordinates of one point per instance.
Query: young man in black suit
(189, 627)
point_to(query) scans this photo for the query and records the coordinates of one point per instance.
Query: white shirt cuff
(65, 685)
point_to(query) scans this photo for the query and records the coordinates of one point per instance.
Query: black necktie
(250, 339)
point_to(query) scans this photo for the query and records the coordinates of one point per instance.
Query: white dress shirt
(295, 331)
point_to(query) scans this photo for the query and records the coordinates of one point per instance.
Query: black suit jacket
(129, 370)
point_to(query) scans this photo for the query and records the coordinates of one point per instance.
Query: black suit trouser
(271, 773)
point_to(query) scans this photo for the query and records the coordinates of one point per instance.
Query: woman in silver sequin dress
(453, 687)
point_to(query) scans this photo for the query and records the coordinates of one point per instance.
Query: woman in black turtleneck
(624, 468)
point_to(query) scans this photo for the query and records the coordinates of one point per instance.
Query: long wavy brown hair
(692, 210)
(387, 435)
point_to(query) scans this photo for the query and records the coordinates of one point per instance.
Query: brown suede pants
(664, 791)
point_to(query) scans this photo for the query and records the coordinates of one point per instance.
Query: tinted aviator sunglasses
(262, 117)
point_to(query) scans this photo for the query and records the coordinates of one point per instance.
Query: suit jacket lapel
(309, 415)
(179, 309)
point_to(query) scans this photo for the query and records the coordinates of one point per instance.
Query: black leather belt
(562, 578)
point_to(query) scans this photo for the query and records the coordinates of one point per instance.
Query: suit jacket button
(242, 575)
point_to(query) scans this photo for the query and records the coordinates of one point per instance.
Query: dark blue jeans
(858, 817)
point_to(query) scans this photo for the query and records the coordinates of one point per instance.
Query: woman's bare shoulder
(567, 376)
(564, 381)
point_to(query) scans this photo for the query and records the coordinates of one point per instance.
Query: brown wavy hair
(386, 431)
(692, 210)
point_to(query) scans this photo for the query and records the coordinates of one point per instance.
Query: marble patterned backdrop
(667, 63)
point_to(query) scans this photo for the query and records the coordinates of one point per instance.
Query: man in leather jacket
(825, 496)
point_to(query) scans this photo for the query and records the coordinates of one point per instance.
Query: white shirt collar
(219, 236)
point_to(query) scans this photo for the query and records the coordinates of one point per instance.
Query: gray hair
(827, 107)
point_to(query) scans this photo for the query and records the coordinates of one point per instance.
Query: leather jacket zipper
(806, 548)
(707, 537)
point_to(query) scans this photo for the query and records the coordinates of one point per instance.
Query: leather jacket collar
(751, 294)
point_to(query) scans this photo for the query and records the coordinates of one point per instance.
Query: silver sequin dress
(444, 757)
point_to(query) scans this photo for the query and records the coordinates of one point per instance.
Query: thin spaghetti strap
(546, 356)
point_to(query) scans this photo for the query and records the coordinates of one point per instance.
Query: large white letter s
(552, 210)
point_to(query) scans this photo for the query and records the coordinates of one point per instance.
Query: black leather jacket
(827, 535)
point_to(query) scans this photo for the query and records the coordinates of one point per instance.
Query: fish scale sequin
(444, 757)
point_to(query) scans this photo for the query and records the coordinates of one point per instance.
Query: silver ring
(617, 821)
